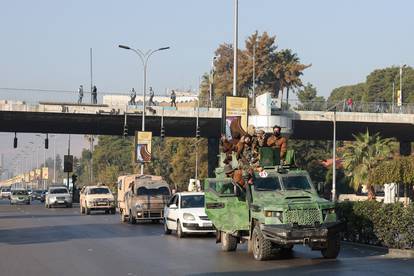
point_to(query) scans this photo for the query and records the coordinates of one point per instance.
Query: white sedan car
(185, 213)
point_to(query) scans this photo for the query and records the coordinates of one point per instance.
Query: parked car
(185, 213)
(96, 198)
(19, 197)
(36, 194)
(5, 192)
(58, 196)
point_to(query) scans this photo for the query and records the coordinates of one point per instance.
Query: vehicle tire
(332, 249)
(87, 211)
(107, 211)
(262, 248)
(131, 218)
(180, 232)
(166, 230)
(113, 211)
(69, 205)
(228, 242)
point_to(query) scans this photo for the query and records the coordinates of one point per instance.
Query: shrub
(371, 222)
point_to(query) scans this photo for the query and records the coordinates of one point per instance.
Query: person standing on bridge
(133, 97)
(94, 95)
(173, 98)
(80, 94)
(151, 99)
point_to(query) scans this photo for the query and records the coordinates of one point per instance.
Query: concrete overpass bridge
(48, 117)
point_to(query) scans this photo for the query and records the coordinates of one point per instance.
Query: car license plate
(61, 201)
(207, 224)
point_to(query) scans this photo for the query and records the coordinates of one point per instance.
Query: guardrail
(343, 106)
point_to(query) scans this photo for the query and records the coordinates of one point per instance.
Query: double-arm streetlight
(144, 60)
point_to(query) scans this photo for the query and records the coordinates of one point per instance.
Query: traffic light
(125, 130)
(74, 179)
(198, 132)
(162, 133)
(15, 141)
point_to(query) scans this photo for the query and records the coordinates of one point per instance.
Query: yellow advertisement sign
(45, 173)
(236, 117)
(32, 175)
(143, 146)
(38, 173)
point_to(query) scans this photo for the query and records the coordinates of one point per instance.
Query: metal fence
(343, 106)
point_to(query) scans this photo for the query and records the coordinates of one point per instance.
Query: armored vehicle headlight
(328, 211)
(277, 214)
(188, 216)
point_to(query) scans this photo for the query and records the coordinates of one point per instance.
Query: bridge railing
(343, 106)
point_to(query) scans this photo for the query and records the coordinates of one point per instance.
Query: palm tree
(362, 156)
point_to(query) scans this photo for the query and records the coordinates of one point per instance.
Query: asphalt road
(39, 241)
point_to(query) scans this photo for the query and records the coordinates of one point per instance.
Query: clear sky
(45, 43)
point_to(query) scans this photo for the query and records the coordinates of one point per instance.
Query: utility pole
(91, 136)
(254, 74)
(334, 158)
(235, 46)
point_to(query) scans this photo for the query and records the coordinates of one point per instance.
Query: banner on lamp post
(143, 146)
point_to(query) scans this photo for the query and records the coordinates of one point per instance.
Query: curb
(401, 253)
(389, 252)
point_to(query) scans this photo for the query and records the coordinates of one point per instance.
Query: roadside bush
(372, 222)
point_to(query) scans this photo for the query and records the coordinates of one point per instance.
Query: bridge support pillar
(405, 148)
(213, 151)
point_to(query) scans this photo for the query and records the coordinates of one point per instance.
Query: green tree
(355, 92)
(308, 99)
(362, 156)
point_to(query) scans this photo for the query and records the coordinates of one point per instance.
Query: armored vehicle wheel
(180, 232)
(332, 248)
(262, 248)
(166, 230)
(113, 211)
(228, 242)
(131, 218)
(69, 205)
(106, 211)
(87, 211)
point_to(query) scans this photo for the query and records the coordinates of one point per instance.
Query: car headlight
(138, 206)
(188, 216)
(274, 214)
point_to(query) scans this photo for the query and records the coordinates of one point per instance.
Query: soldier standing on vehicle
(277, 141)
(80, 94)
(133, 96)
(94, 95)
(173, 97)
(151, 99)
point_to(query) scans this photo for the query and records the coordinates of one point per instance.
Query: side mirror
(173, 206)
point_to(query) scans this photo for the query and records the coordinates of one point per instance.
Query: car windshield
(59, 191)
(99, 191)
(6, 189)
(20, 193)
(192, 201)
(296, 182)
(141, 191)
(266, 184)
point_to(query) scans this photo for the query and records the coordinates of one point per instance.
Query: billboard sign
(45, 173)
(143, 146)
(235, 117)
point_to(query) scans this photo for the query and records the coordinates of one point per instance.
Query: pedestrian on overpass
(80, 93)
(94, 95)
(151, 99)
(133, 97)
(173, 98)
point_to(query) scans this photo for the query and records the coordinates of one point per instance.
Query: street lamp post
(144, 57)
(334, 158)
(235, 46)
(401, 91)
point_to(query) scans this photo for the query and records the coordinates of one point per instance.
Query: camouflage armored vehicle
(279, 210)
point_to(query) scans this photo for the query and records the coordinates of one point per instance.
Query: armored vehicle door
(226, 206)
